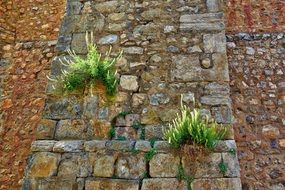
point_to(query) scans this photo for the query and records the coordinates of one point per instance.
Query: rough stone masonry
(171, 48)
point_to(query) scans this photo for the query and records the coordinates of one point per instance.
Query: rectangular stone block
(164, 165)
(187, 68)
(163, 184)
(95, 145)
(217, 26)
(103, 164)
(45, 129)
(42, 146)
(232, 164)
(202, 18)
(111, 184)
(213, 184)
(74, 130)
(130, 166)
(202, 165)
(68, 146)
(63, 108)
(54, 183)
(120, 145)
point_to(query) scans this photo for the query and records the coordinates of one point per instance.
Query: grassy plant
(142, 135)
(134, 151)
(182, 176)
(223, 167)
(112, 132)
(152, 141)
(137, 125)
(150, 154)
(190, 125)
(122, 114)
(87, 71)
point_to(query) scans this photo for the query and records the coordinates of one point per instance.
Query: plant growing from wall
(82, 72)
(181, 175)
(191, 125)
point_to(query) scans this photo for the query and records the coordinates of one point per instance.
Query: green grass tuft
(190, 125)
(223, 167)
(112, 132)
(181, 175)
(82, 72)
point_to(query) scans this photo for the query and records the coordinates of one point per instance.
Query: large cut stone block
(214, 184)
(43, 164)
(45, 129)
(163, 184)
(73, 164)
(74, 130)
(54, 183)
(42, 146)
(104, 165)
(111, 184)
(64, 108)
(232, 165)
(131, 166)
(164, 165)
(215, 43)
(68, 146)
(204, 22)
(202, 166)
(187, 68)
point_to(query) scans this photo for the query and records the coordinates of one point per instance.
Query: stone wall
(170, 49)
(28, 33)
(254, 15)
(257, 89)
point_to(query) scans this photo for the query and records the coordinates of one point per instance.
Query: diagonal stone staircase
(170, 48)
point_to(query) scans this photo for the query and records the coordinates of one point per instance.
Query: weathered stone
(64, 108)
(168, 115)
(158, 99)
(73, 164)
(132, 119)
(117, 16)
(215, 88)
(201, 18)
(129, 82)
(73, 8)
(194, 49)
(232, 165)
(104, 165)
(143, 146)
(250, 51)
(117, 27)
(68, 146)
(270, 132)
(155, 58)
(188, 69)
(130, 166)
(162, 146)
(213, 5)
(129, 133)
(215, 100)
(188, 97)
(73, 130)
(164, 165)
(110, 39)
(214, 43)
(222, 114)
(43, 164)
(206, 63)
(120, 145)
(94, 145)
(154, 131)
(163, 184)
(152, 14)
(213, 184)
(42, 146)
(138, 99)
(173, 49)
(111, 184)
(106, 7)
(202, 166)
(78, 43)
(226, 146)
(133, 50)
(150, 117)
(137, 65)
(45, 129)
(56, 183)
(169, 29)
(90, 106)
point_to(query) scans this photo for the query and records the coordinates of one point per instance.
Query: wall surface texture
(27, 33)
(170, 49)
(22, 90)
